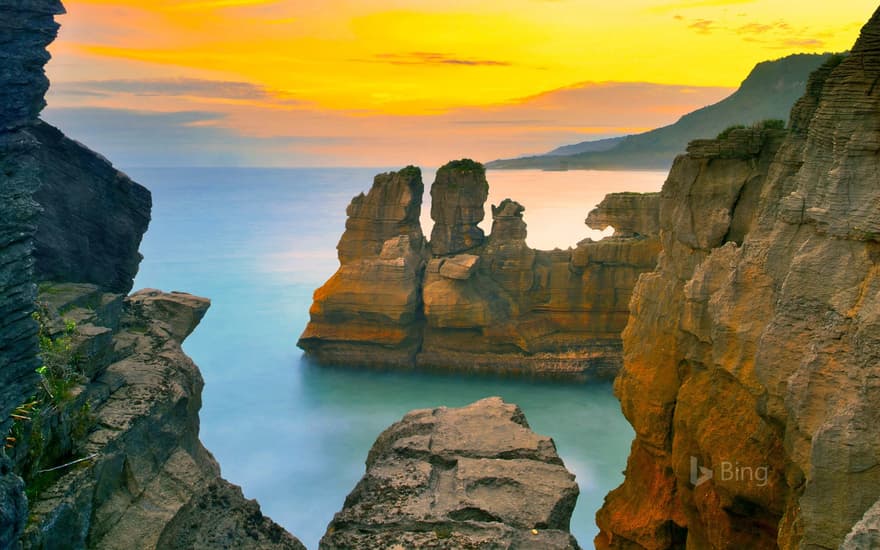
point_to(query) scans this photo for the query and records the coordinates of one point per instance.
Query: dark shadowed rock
(93, 216)
(468, 478)
(457, 198)
(218, 516)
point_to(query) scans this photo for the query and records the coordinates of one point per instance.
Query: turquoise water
(294, 436)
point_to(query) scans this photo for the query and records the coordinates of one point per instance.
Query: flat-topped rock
(472, 477)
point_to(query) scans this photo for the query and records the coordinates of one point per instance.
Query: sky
(396, 82)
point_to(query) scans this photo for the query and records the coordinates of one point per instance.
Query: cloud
(164, 87)
(434, 58)
(703, 26)
(697, 4)
(763, 28)
(778, 35)
(185, 138)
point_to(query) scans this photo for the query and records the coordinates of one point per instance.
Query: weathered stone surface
(459, 267)
(457, 198)
(631, 214)
(755, 343)
(474, 477)
(13, 505)
(865, 533)
(26, 28)
(218, 516)
(390, 209)
(136, 420)
(369, 312)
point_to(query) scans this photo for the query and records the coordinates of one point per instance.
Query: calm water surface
(294, 436)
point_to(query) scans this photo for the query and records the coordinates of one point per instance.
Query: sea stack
(370, 312)
(458, 196)
(469, 302)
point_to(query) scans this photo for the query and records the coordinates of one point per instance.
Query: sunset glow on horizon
(388, 82)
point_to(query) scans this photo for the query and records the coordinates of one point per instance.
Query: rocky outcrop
(474, 477)
(369, 312)
(630, 214)
(480, 303)
(115, 456)
(457, 197)
(218, 516)
(751, 355)
(26, 28)
(93, 216)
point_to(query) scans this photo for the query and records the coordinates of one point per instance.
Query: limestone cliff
(468, 478)
(752, 354)
(469, 302)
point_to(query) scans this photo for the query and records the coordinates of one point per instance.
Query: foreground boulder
(753, 351)
(469, 302)
(468, 478)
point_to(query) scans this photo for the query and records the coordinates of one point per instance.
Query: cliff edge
(752, 355)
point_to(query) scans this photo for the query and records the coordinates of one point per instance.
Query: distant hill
(768, 92)
(594, 146)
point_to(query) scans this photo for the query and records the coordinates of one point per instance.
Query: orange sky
(391, 82)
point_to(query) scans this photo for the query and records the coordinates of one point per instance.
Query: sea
(294, 435)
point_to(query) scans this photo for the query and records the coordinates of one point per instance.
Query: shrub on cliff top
(726, 132)
(465, 165)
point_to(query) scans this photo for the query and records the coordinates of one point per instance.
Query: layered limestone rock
(468, 478)
(457, 197)
(752, 352)
(26, 28)
(369, 312)
(630, 214)
(116, 456)
(482, 304)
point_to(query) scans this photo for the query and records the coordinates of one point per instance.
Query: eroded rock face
(369, 312)
(457, 198)
(134, 417)
(26, 28)
(631, 214)
(483, 304)
(474, 477)
(218, 516)
(754, 347)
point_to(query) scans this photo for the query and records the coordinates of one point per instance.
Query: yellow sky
(389, 61)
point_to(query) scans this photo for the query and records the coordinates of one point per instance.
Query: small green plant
(59, 372)
(726, 132)
(771, 124)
